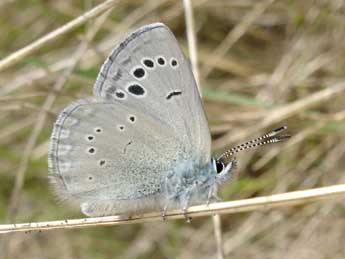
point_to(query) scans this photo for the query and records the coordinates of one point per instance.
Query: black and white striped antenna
(271, 137)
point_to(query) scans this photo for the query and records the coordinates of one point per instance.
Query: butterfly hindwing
(103, 150)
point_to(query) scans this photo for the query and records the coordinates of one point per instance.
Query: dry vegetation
(262, 64)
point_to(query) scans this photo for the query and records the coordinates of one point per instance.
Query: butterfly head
(222, 169)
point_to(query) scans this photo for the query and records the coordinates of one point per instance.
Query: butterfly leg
(188, 219)
(212, 196)
(170, 195)
(184, 209)
(185, 214)
(184, 200)
(170, 200)
(163, 212)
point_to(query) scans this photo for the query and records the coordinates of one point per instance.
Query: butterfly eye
(220, 166)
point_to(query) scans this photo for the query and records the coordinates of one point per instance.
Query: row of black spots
(161, 60)
(90, 137)
(131, 119)
(92, 150)
(134, 88)
(149, 63)
(140, 73)
(100, 163)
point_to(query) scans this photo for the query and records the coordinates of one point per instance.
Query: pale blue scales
(143, 142)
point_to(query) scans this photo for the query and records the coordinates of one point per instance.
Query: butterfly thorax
(194, 183)
(190, 183)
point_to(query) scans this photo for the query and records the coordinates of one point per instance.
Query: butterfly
(142, 142)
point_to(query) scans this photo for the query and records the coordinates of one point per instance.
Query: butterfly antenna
(268, 138)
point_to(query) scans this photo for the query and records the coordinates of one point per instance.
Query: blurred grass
(234, 99)
(295, 48)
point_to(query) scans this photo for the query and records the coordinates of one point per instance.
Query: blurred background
(262, 64)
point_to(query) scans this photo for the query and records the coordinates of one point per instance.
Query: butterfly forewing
(170, 92)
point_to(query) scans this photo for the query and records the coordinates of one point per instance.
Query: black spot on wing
(136, 89)
(139, 72)
(148, 63)
(101, 162)
(161, 61)
(125, 149)
(120, 95)
(174, 62)
(173, 93)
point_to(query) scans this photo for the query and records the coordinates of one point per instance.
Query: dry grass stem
(230, 207)
(283, 113)
(192, 47)
(192, 40)
(26, 78)
(39, 125)
(237, 33)
(217, 225)
(36, 45)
